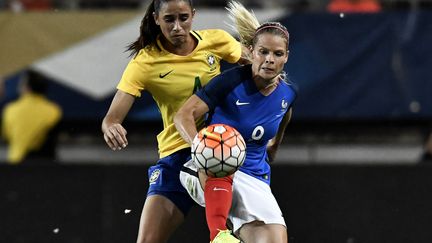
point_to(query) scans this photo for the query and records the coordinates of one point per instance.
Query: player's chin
(178, 40)
(268, 75)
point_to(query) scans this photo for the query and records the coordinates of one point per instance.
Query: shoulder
(9, 107)
(290, 85)
(14, 104)
(148, 55)
(144, 59)
(290, 90)
(213, 35)
(231, 78)
(51, 109)
(220, 43)
(54, 106)
(293, 86)
(241, 72)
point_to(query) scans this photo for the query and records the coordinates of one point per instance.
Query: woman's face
(269, 56)
(175, 21)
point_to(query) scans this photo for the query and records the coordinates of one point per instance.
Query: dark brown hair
(36, 82)
(149, 30)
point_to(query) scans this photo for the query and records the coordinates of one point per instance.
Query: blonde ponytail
(245, 22)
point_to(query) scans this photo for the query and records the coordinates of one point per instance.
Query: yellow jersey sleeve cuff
(129, 89)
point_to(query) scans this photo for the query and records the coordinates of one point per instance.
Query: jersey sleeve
(133, 79)
(228, 47)
(219, 87)
(293, 92)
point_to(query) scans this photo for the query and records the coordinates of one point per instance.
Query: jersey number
(258, 133)
(197, 85)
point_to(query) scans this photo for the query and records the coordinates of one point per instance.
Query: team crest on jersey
(154, 176)
(284, 104)
(211, 61)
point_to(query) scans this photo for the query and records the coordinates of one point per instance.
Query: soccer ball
(218, 149)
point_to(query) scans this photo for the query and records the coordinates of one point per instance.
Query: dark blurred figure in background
(29, 123)
(1, 87)
(427, 150)
(354, 6)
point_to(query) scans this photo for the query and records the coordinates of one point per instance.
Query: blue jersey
(234, 99)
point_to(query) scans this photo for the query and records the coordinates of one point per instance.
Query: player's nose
(269, 59)
(177, 26)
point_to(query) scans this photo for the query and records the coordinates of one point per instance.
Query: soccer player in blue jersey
(171, 62)
(257, 100)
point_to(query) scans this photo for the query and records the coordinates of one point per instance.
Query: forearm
(184, 120)
(120, 106)
(113, 132)
(185, 124)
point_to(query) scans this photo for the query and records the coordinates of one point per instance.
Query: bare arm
(114, 133)
(274, 143)
(185, 118)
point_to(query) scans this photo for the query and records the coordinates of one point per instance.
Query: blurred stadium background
(348, 170)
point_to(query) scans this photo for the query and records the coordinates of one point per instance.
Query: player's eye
(169, 19)
(184, 17)
(263, 51)
(279, 54)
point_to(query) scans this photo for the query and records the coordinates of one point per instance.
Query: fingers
(121, 136)
(115, 137)
(109, 143)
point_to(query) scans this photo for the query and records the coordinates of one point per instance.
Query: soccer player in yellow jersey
(170, 61)
(28, 123)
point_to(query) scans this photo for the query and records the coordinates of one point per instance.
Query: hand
(115, 136)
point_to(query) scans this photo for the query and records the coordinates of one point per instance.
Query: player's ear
(287, 56)
(193, 12)
(155, 17)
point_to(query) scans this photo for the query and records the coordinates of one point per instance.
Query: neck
(183, 49)
(266, 87)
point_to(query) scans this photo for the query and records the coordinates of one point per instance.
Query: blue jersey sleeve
(220, 86)
(294, 89)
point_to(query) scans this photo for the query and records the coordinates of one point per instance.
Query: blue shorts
(164, 179)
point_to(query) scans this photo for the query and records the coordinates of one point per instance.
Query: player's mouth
(177, 36)
(267, 70)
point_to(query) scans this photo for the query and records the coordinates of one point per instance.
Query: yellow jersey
(26, 123)
(171, 79)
